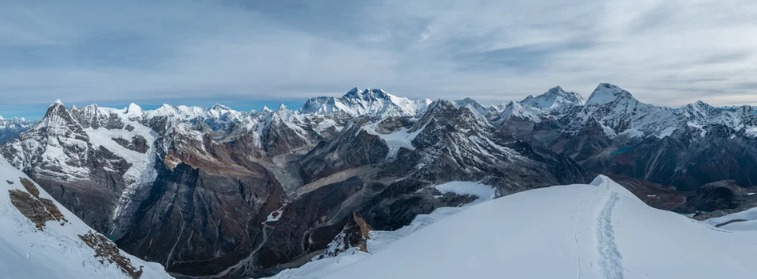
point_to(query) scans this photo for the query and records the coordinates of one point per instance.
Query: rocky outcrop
(31, 205)
(355, 234)
(106, 250)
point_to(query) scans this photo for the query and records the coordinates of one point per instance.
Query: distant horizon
(34, 112)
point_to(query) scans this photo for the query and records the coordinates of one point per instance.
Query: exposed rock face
(38, 210)
(30, 204)
(613, 133)
(354, 234)
(352, 148)
(199, 222)
(137, 143)
(309, 223)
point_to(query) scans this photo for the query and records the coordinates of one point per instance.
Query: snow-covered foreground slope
(740, 221)
(583, 231)
(55, 244)
(380, 240)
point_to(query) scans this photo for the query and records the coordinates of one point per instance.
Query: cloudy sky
(251, 53)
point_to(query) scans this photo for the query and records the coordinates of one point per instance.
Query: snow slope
(740, 221)
(380, 240)
(585, 231)
(55, 251)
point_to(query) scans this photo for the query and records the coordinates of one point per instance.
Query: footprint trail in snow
(610, 264)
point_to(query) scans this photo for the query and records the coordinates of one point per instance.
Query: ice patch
(395, 140)
(482, 191)
(751, 132)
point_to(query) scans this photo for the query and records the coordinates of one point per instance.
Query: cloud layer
(664, 51)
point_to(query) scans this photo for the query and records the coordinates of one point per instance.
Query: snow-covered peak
(283, 107)
(371, 102)
(554, 99)
(698, 110)
(134, 111)
(176, 112)
(367, 94)
(57, 117)
(618, 112)
(163, 110)
(473, 105)
(57, 102)
(219, 107)
(608, 93)
(516, 110)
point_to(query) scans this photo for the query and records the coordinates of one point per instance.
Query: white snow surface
(744, 221)
(554, 99)
(606, 93)
(751, 132)
(401, 138)
(598, 230)
(515, 109)
(55, 252)
(482, 191)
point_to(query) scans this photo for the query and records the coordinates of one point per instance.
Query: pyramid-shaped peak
(56, 107)
(555, 90)
(57, 102)
(700, 103)
(607, 93)
(554, 98)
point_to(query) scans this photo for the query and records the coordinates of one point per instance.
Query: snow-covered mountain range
(371, 102)
(216, 192)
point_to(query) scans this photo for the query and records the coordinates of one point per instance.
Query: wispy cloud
(664, 51)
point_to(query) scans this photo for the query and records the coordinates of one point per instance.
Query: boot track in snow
(609, 260)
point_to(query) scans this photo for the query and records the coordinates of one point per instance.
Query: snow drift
(39, 238)
(585, 231)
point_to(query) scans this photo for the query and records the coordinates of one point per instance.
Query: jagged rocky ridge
(222, 193)
(613, 133)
